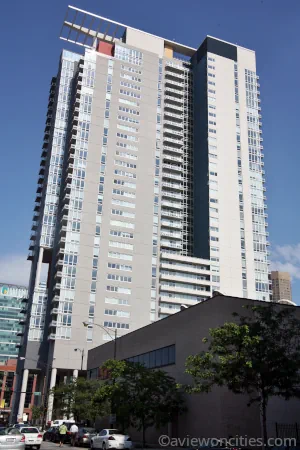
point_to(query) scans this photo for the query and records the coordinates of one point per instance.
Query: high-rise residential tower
(151, 188)
(281, 286)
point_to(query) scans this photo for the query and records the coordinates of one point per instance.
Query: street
(51, 446)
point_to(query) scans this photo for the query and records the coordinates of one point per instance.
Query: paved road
(51, 446)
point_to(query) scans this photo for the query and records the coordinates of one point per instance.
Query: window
(120, 256)
(130, 85)
(128, 102)
(119, 223)
(117, 301)
(116, 325)
(124, 193)
(131, 69)
(118, 162)
(120, 245)
(127, 118)
(127, 128)
(130, 93)
(129, 55)
(128, 137)
(123, 234)
(116, 201)
(128, 110)
(118, 212)
(130, 77)
(114, 277)
(157, 358)
(122, 173)
(115, 312)
(125, 183)
(126, 155)
(117, 266)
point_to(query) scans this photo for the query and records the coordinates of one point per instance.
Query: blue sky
(29, 53)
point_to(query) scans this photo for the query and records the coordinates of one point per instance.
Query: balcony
(30, 256)
(51, 337)
(34, 225)
(170, 244)
(174, 141)
(54, 311)
(169, 81)
(170, 204)
(172, 132)
(176, 92)
(177, 159)
(171, 224)
(55, 299)
(171, 123)
(171, 176)
(167, 148)
(171, 234)
(37, 207)
(39, 188)
(176, 186)
(53, 324)
(174, 101)
(172, 167)
(172, 195)
(43, 161)
(167, 213)
(38, 198)
(57, 287)
(171, 106)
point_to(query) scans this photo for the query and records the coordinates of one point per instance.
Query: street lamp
(81, 350)
(114, 338)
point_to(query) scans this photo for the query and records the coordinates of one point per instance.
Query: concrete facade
(281, 286)
(134, 214)
(219, 413)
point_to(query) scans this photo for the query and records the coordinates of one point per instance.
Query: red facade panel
(106, 47)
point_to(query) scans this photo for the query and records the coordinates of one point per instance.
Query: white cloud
(286, 258)
(14, 269)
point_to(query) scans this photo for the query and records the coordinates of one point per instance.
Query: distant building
(166, 344)
(13, 299)
(281, 286)
(8, 379)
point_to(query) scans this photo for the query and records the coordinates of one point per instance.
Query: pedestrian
(62, 434)
(74, 431)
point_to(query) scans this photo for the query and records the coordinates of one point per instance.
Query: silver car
(11, 439)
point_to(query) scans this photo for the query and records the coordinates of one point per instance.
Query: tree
(76, 399)
(258, 355)
(140, 397)
(37, 412)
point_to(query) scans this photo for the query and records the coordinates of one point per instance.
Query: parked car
(111, 438)
(11, 439)
(84, 436)
(33, 438)
(50, 434)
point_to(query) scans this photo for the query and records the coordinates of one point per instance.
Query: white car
(33, 437)
(111, 438)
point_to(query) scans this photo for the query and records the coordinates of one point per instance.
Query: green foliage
(258, 355)
(37, 412)
(77, 399)
(140, 397)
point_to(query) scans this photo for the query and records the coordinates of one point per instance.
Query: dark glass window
(157, 358)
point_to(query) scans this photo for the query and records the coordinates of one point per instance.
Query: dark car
(84, 436)
(51, 434)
